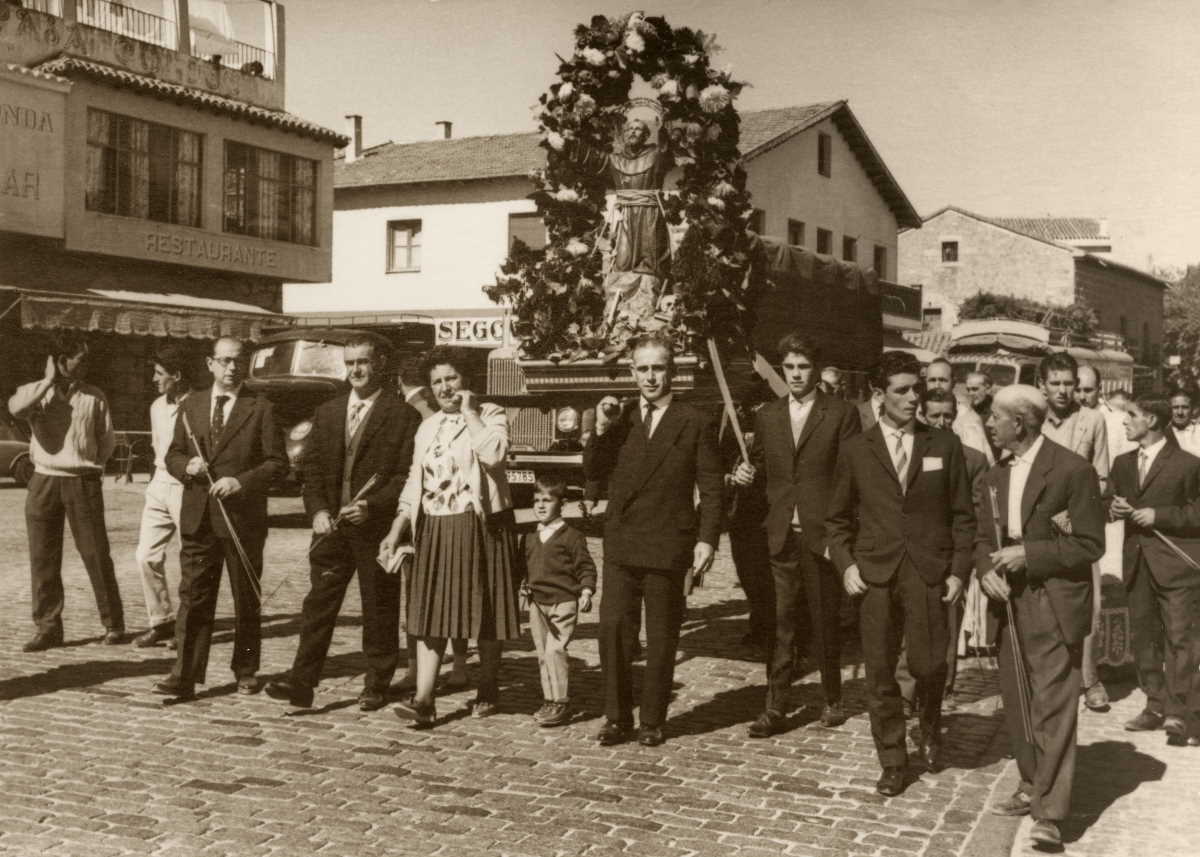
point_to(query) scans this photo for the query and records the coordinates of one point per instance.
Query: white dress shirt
(656, 417)
(1146, 456)
(162, 432)
(798, 411)
(891, 433)
(546, 531)
(1021, 465)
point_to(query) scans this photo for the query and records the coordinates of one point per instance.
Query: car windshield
(303, 357)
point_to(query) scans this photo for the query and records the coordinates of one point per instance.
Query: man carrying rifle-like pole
(1052, 525)
(226, 451)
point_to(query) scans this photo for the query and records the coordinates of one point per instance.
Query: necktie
(797, 413)
(900, 459)
(218, 418)
(648, 420)
(356, 410)
(1142, 461)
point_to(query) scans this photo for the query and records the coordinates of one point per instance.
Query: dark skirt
(464, 580)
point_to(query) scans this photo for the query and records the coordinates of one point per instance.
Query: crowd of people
(941, 523)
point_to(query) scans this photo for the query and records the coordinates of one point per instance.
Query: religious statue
(638, 256)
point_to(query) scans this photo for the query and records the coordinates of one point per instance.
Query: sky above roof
(1011, 109)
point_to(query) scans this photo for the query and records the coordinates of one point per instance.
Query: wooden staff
(1177, 550)
(243, 557)
(1018, 655)
(727, 398)
(337, 521)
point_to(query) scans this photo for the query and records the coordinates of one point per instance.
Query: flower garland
(555, 293)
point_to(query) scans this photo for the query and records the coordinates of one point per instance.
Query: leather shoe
(931, 753)
(1095, 698)
(1044, 834)
(484, 708)
(767, 724)
(650, 736)
(371, 700)
(422, 715)
(891, 781)
(41, 642)
(248, 685)
(833, 715)
(290, 692)
(154, 636)
(1176, 731)
(612, 733)
(113, 637)
(1146, 721)
(172, 686)
(1015, 804)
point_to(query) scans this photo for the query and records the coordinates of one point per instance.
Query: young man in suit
(1052, 528)
(240, 454)
(363, 435)
(899, 529)
(797, 441)
(1082, 431)
(1157, 488)
(655, 456)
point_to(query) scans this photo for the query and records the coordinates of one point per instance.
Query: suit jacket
(385, 449)
(1058, 556)
(872, 523)
(481, 457)
(249, 449)
(799, 476)
(1172, 489)
(1083, 433)
(651, 519)
(977, 468)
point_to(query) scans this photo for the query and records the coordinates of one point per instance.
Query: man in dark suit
(797, 441)
(1157, 487)
(363, 435)
(1052, 526)
(240, 453)
(900, 528)
(655, 455)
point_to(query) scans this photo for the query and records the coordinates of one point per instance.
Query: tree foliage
(1078, 319)
(1181, 321)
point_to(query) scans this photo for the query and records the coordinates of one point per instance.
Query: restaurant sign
(32, 114)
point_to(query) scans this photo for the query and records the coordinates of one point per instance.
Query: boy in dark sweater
(560, 578)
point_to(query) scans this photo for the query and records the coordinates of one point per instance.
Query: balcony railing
(127, 21)
(233, 54)
(50, 7)
(903, 301)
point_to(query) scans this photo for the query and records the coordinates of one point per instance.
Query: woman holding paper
(457, 508)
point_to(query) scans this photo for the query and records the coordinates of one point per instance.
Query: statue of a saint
(638, 260)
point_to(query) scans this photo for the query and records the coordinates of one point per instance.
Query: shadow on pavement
(82, 675)
(1105, 772)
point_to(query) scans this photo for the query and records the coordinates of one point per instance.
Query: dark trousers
(904, 607)
(752, 562)
(908, 684)
(1055, 671)
(803, 582)
(200, 560)
(1166, 633)
(80, 501)
(333, 563)
(626, 587)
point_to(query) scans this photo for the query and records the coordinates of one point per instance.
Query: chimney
(354, 132)
(1103, 227)
(447, 127)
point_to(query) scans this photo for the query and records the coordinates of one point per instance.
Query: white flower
(714, 99)
(555, 140)
(634, 42)
(691, 59)
(718, 204)
(669, 88)
(723, 189)
(566, 194)
(585, 105)
(564, 91)
(538, 112)
(576, 247)
(593, 56)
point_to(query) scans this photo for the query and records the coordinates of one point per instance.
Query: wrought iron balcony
(127, 21)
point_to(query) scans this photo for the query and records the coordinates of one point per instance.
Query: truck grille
(505, 377)
(532, 428)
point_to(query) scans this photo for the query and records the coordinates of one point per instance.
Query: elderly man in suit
(227, 450)
(364, 435)
(1052, 528)
(1082, 431)
(656, 456)
(1157, 488)
(797, 440)
(899, 528)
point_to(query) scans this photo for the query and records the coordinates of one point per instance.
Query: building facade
(957, 254)
(423, 227)
(150, 191)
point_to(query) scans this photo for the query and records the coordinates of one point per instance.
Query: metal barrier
(132, 448)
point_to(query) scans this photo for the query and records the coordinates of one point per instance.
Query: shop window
(880, 262)
(949, 252)
(796, 232)
(270, 194)
(824, 241)
(142, 169)
(849, 248)
(528, 228)
(404, 246)
(825, 155)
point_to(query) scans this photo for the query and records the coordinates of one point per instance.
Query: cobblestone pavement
(93, 764)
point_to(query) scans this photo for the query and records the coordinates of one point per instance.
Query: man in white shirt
(1183, 432)
(164, 497)
(968, 425)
